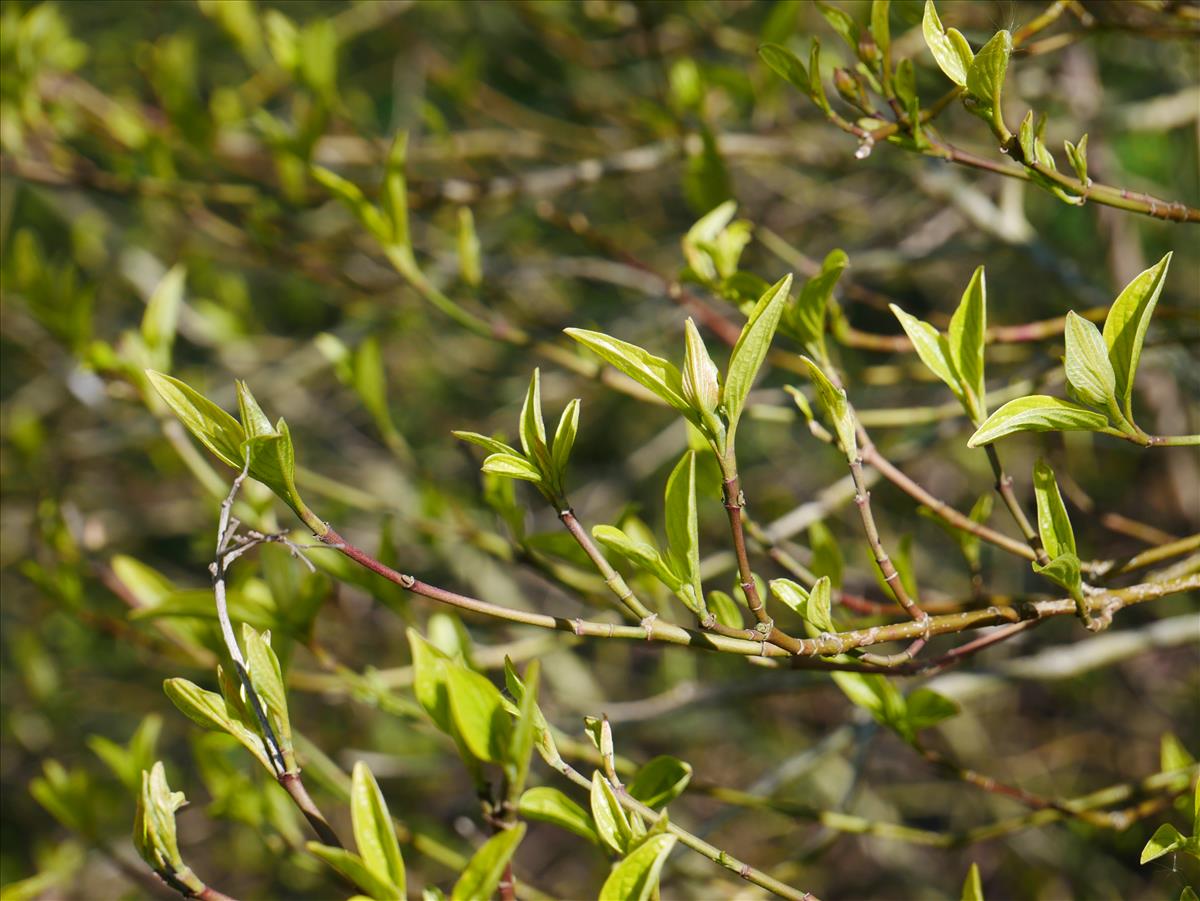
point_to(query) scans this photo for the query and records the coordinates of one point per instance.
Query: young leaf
(950, 49)
(660, 781)
(985, 77)
(807, 316)
(636, 877)
(355, 869)
(1054, 525)
(478, 713)
(640, 554)
(1064, 571)
(395, 192)
(564, 438)
(1077, 154)
(209, 710)
(698, 241)
(966, 340)
(354, 200)
(930, 347)
(267, 679)
(216, 429)
(827, 557)
(526, 731)
(549, 805)
(533, 429)
(841, 22)
(1166, 839)
(489, 444)
(786, 65)
(879, 25)
(511, 466)
(468, 248)
(1089, 370)
(813, 606)
(429, 680)
(374, 833)
(701, 381)
(486, 866)
(162, 314)
(655, 373)
(816, 86)
(837, 411)
(725, 609)
(611, 823)
(972, 889)
(1037, 413)
(545, 739)
(1125, 328)
(683, 538)
(154, 833)
(751, 348)
(878, 696)
(925, 708)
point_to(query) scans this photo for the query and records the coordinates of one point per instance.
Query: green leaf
(950, 49)
(751, 348)
(1125, 327)
(216, 429)
(483, 872)
(636, 877)
(1188, 894)
(511, 466)
(611, 823)
(1166, 839)
(1037, 413)
(1054, 525)
(355, 869)
(1064, 571)
(817, 88)
(879, 25)
(966, 340)
(564, 438)
(469, 267)
(701, 381)
(429, 680)
(807, 316)
(370, 382)
(702, 236)
(841, 22)
(826, 554)
(655, 373)
(812, 605)
(545, 739)
(374, 833)
(395, 193)
(1089, 371)
(985, 77)
(162, 314)
(972, 889)
(478, 713)
(1173, 755)
(925, 708)
(786, 65)
(837, 410)
(489, 444)
(725, 609)
(533, 429)
(549, 805)
(660, 781)
(526, 731)
(931, 347)
(254, 421)
(154, 833)
(878, 696)
(210, 711)
(683, 537)
(640, 554)
(1077, 154)
(267, 678)
(273, 462)
(356, 202)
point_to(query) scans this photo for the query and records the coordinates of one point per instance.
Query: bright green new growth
(1100, 372)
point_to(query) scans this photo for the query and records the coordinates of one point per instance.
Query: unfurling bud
(701, 382)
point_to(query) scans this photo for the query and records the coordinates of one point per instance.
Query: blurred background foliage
(165, 146)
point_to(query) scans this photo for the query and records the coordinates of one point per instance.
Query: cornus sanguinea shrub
(588, 654)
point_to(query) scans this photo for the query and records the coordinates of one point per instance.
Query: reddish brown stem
(294, 786)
